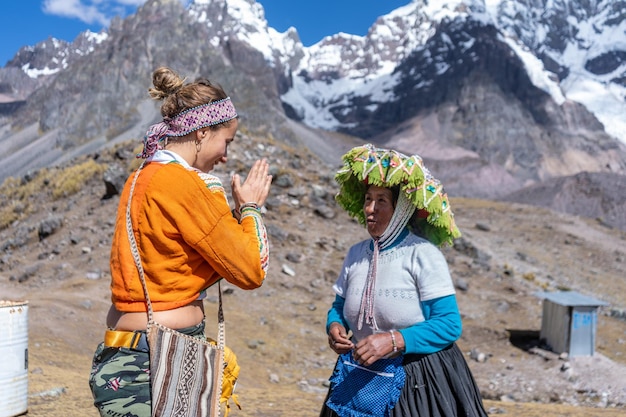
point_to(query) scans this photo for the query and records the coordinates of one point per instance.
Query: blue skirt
(436, 385)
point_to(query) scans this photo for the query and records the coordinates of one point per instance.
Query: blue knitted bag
(359, 391)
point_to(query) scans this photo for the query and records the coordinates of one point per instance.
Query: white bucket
(13, 358)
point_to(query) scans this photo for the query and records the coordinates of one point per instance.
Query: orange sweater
(187, 240)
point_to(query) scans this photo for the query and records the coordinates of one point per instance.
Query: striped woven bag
(185, 374)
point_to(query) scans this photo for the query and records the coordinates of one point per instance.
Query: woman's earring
(198, 146)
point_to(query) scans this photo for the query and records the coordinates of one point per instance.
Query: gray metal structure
(569, 322)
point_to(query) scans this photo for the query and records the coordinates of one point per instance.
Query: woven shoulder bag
(185, 372)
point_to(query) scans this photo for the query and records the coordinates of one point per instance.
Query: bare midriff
(178, 318)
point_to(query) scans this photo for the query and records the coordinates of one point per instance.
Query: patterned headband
(198, 117)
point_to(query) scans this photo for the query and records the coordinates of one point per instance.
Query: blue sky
(27, 22)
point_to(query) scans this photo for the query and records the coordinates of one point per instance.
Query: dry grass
(20, 196)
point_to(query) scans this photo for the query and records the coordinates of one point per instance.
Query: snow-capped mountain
(581, 43)
(498, 95)
(572, 50)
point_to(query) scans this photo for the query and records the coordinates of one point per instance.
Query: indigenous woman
(395, 320)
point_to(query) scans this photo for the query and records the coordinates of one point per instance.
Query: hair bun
(166, 82)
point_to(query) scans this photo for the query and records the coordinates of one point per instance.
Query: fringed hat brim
(367, 165)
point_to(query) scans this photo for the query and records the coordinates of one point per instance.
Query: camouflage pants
(120, 379)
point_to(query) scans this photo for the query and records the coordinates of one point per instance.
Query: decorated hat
(367, 165)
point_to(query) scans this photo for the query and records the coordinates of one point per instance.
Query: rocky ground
(56, 257)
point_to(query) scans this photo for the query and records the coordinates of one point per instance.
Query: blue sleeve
(335, 314)
(441, 327)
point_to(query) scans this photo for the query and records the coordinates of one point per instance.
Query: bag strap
(221, 331)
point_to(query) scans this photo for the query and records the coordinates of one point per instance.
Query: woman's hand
(338, 339)
(378, 346)
(256, 186)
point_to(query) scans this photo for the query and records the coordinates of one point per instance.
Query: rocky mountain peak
(491, 92)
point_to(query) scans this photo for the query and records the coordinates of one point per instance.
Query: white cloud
(91, 11)
(75, 9)
(134, 3)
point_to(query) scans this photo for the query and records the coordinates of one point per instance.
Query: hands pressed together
(368, 350)
(255, 188)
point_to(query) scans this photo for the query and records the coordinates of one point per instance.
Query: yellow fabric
(117, 338)
(229, 379)
(187, 239)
